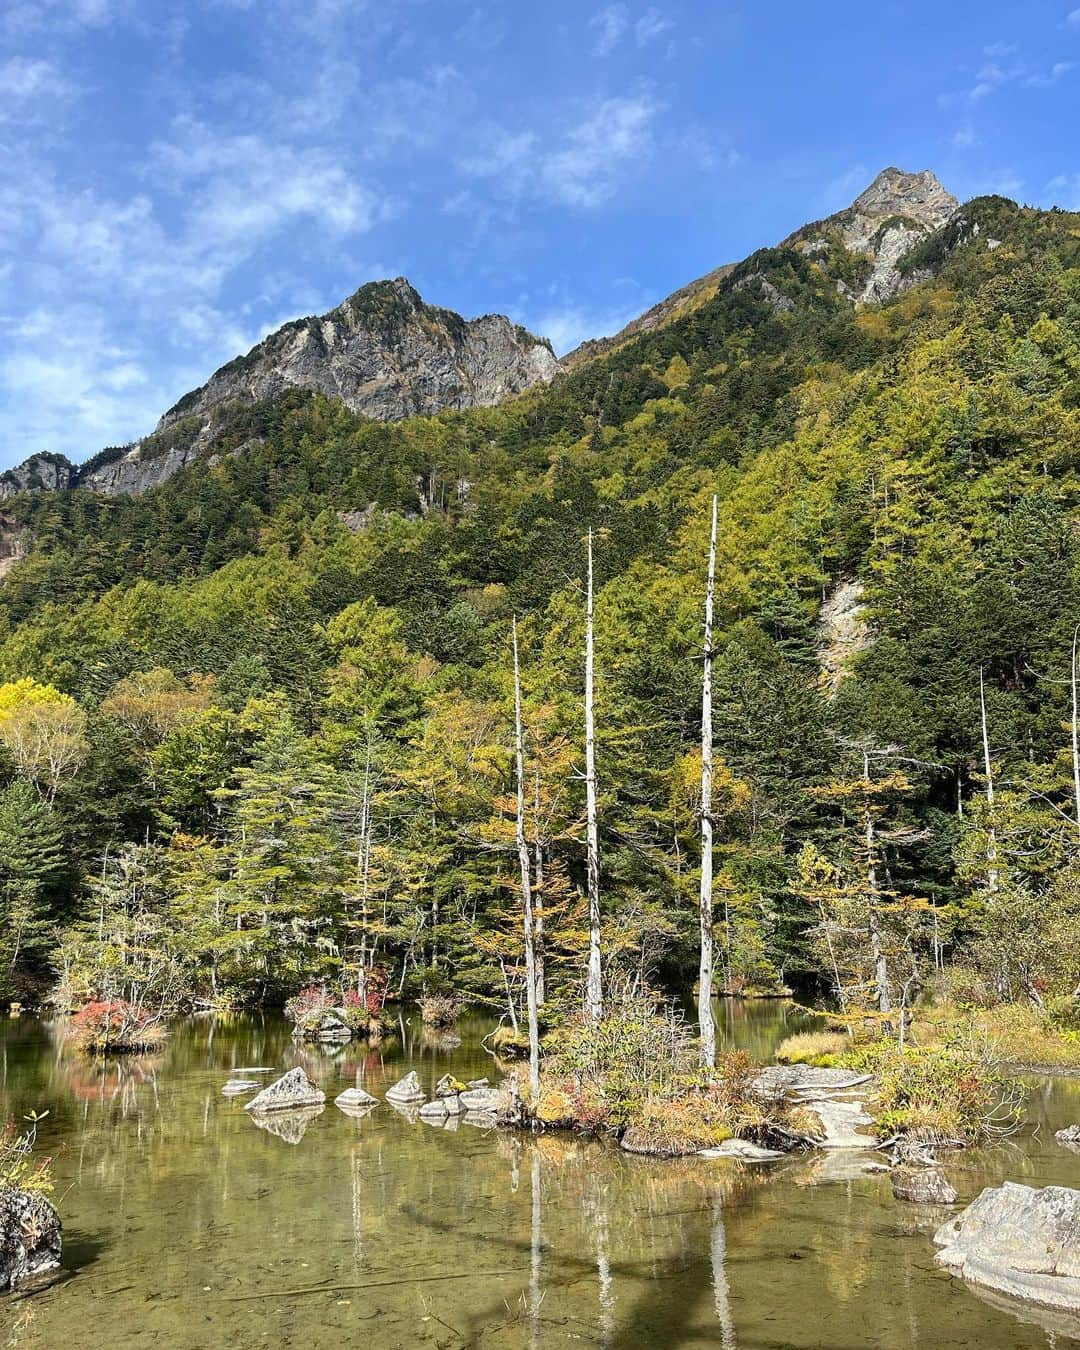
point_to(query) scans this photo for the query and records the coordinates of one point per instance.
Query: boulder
(477, 1083)
(484, 1099)
(235, 1087)
(406, 1090)
(1070, 1137)
(293, 1091)
(355, 1099)
(30, 1236)
(1018, 1241)
(436, 1110)
(742, 1149)
(449, 1086)
(922, 1186)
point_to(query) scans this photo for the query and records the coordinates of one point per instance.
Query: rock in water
(236, 1087)
(922, 1185)
(1020, 1241)
(291, 1092)
(486, 1099)
(355, 1099)
(30, 1236)
(449, 1086)
(436, 1110)
(406, 1090)
(1070, 1137)
(742, 1149)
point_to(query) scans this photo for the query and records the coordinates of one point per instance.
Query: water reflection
(206, 1229)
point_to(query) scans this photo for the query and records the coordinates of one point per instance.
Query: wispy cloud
(964, 138)
(584, 168)
(615, 22)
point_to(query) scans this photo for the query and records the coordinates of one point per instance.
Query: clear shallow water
(189, 1226)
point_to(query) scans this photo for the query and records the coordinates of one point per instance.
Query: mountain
(383, 352)
(311, 627)
(388, 355)
(881, 226)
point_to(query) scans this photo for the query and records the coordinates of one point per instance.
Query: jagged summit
(384, 352)
(389, 355)
(884, 222)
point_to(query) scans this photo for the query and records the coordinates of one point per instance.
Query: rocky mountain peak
(918, 196)
(384, 352)
(883, 223)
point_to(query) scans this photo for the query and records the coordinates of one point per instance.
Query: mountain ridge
(389, 355)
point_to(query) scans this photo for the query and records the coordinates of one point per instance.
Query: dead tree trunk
(706, 1024)
(526, 884)
(873, 900)
(991, 834)
(594, 1003)
(1075, 731)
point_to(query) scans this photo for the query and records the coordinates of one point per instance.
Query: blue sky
(177, 179)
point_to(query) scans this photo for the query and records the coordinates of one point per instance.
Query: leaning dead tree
(526, 882)
(705, 966)
(594, 1003)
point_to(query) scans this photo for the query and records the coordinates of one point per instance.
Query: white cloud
(650, 26)
(964, 138)
(570, 325)
(611, 23)
(1073, 19)
(1044, 79)
(584, 168)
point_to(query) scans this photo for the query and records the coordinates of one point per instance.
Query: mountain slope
(881, 226)
(898, 491)
(383, 352)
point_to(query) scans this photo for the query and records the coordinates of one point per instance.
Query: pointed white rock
(290, 1092)
(406, 1090)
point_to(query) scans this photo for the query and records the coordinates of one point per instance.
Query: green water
(189, 1226)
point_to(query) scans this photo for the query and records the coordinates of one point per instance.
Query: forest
(257, 725)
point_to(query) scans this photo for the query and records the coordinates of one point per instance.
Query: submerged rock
(742, 1149)
(30, 1236)
(235, 1087)
(1019, 1241)
(292, 1091)
(406, 1090)
(289, 1126)
(355, 1099)
(485, 1099)
(922, 1186)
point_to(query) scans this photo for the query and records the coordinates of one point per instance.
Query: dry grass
(820, 1048)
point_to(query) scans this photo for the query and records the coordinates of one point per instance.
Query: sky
(179, 178)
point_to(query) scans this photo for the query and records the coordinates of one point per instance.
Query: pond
(188, 1225)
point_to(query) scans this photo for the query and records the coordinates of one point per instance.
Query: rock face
(44, 472)
(885, 222)
(1019, 1241)
(843, 631)
(383, 352)
(30, 1236)
(922, 1186)
(293, 1091)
